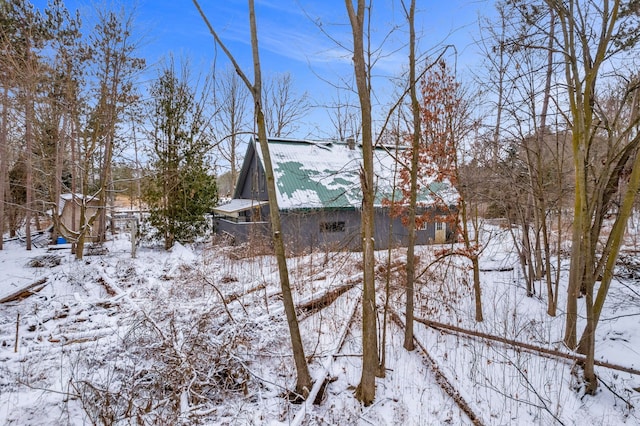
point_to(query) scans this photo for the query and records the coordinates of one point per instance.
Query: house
(319, 197)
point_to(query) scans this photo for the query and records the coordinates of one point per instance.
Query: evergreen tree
(179, 190)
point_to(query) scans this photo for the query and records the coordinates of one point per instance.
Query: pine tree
(179, 190)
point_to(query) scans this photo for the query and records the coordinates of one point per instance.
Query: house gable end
(251, 180)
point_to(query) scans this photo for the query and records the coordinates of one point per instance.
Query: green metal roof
(313, 174)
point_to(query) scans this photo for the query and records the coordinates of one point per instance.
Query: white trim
(238, 205)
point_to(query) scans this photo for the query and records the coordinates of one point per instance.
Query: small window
(439, 226)
(423, 226)
(331, 227)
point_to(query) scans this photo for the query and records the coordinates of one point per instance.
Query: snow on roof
(320, 174)
(237, 205)
(68, 197)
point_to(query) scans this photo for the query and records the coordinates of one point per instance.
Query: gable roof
(322, 174)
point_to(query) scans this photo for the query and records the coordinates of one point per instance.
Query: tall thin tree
(366, 390)
(114, 55)
(415, 157)
(231, 102)
(303, 383)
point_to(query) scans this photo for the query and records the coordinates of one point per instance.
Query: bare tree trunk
(85, 223)
(542, 132)
(576, 269)
(28, 135)
(495, 152)
(75, 171)
(370, 364)
(523, 246)
(232, 155)
(57, 179)
(591, 382)
(4, 161)
(387, 284)
(472, 254)
(476, 288)
(231, 102)
(413, 198)
(303, 383)
(137, 176)
(551, 294)
(105, 172)
(616, 236)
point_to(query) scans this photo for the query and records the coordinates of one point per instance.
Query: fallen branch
(441, 379)
(536, 349)
(497, 269)
(109, 286)
(25, 292)
(321, 377)
(80, 337)
(315, 302)
(325, 299)
(235, 296)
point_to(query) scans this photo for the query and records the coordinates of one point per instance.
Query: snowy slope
(197, 336)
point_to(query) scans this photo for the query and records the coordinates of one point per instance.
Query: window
(423, 226)
(331, 227)
(439, 226)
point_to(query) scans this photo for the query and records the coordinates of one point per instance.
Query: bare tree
(283, 107)
(231, 101)
(370, 362)
(113, 53)
(4, 160)
(523, 75)
(303, 383)
(344, 118)
(416, 137)
(605, 146)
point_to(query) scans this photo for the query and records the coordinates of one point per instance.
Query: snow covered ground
(197, 335)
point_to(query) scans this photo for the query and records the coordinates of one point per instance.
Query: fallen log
(441, 378)
(26, 291)
(320, 301)
(527, 346)
(497, 269)
(321, 378)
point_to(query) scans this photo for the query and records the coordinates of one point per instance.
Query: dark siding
(254, 182)
(242, 232)
(308, 230)
(304, 230)
(391, 232)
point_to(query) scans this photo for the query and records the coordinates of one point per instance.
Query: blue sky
(291, 40)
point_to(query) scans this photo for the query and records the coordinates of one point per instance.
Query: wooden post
(15, 346)
(134, 236)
